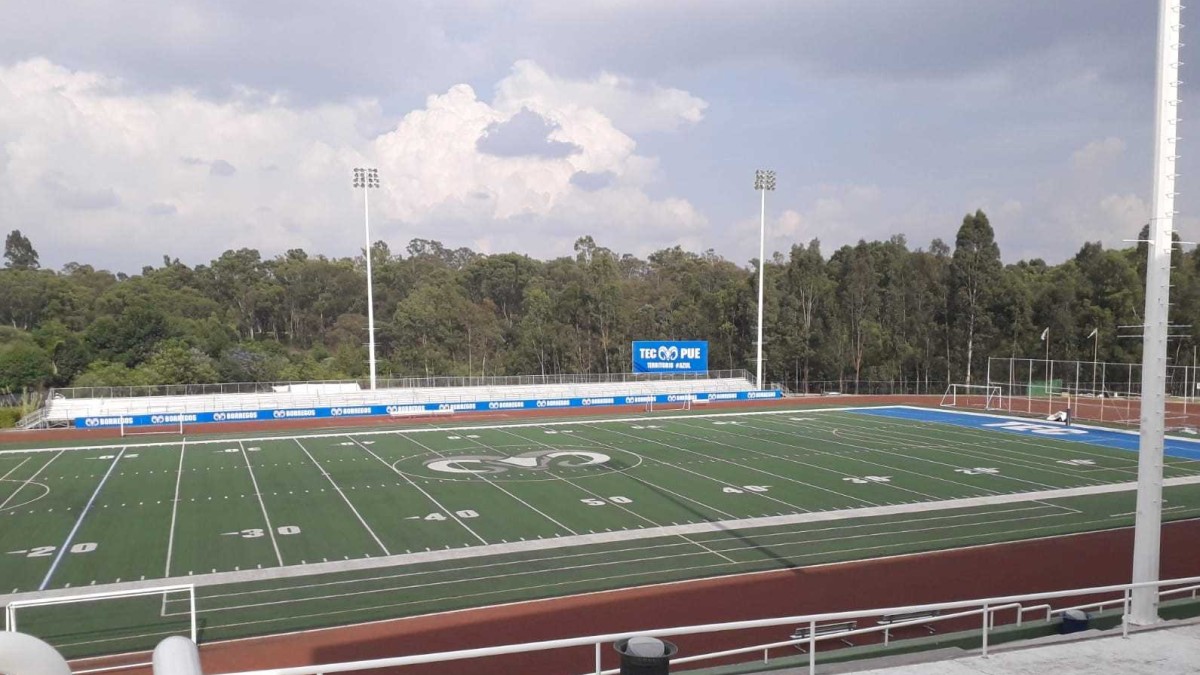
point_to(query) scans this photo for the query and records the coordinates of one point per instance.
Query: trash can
(645, 656)
(1073, 621)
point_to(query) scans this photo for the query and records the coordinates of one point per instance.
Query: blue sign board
(670, 357)
(412, 409)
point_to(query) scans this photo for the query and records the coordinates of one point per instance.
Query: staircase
(34, 420)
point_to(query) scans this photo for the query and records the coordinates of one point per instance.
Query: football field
(289, 532)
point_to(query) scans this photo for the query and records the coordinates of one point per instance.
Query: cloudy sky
(136, 128)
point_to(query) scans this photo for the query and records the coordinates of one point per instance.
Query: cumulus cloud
(841, 214)
(526, 134)
(108, 174)
(1098, 155)
(633, 106)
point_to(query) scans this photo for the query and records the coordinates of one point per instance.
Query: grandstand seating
(61, 409)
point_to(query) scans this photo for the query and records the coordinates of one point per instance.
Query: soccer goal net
(660, 406)
(979, 396)
(111, 622)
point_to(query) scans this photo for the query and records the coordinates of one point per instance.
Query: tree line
(872, 311)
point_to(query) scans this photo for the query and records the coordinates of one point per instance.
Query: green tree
(19, 252)
(974, 277)
(24, 365)
(175, 362)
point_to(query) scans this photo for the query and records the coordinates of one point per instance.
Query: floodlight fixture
(764, 180)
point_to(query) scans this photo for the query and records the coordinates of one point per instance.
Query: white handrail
(989, 607)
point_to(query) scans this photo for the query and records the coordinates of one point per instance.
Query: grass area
(342, 527)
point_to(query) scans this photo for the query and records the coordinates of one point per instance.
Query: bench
(906, 617)
(801, 632)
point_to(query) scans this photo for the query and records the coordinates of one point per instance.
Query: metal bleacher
(63, 406)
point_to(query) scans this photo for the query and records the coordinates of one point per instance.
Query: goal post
(979, 396)
(661, 406)
(105, 613)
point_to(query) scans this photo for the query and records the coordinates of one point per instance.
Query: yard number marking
(1043, 429)
(47, 551)
(744, 489)
(978, 471)
(256, 532)
(599, 501)
(1077, 462)
(436, 516)
(866, 480)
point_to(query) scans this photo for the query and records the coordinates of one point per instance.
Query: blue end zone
(1174, 447)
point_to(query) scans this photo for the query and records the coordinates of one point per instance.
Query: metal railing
(32, 420)
(389, 383)
(986, 608)
(867, 387)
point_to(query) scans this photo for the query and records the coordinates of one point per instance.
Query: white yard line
(175, 509)
(71, 535)
(258, 493)
(740, 465)
(498, 486)
(675, 467)
(19, 465)
(430, 497)
(910, 458)
(29, 480)
(975, 451)
(617, 536)
(344, 497)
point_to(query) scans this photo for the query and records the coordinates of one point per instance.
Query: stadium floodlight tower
(1147, 533)
(763, 181)
(368, 179)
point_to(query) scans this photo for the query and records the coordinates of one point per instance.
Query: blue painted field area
(1174, 447)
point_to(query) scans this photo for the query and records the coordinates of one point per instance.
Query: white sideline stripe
(477, 427)
(624, 535)
(344, 497)
(71, 535)
(541, 584)
(175, 509)
(650, 549)
(270, 529)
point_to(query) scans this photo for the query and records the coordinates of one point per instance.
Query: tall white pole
(368, 179)
(763, 181)
(370, 290)
(762, 236)
(1148, 520)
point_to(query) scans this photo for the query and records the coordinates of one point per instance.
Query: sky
(136, 129)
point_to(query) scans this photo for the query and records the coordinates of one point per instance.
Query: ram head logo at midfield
(536, 460)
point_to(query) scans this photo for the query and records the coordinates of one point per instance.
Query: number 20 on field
(44, 551)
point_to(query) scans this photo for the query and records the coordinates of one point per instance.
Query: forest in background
(876, 310)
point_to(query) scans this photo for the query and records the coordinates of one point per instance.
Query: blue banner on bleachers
(670, 357)
(412, 409)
